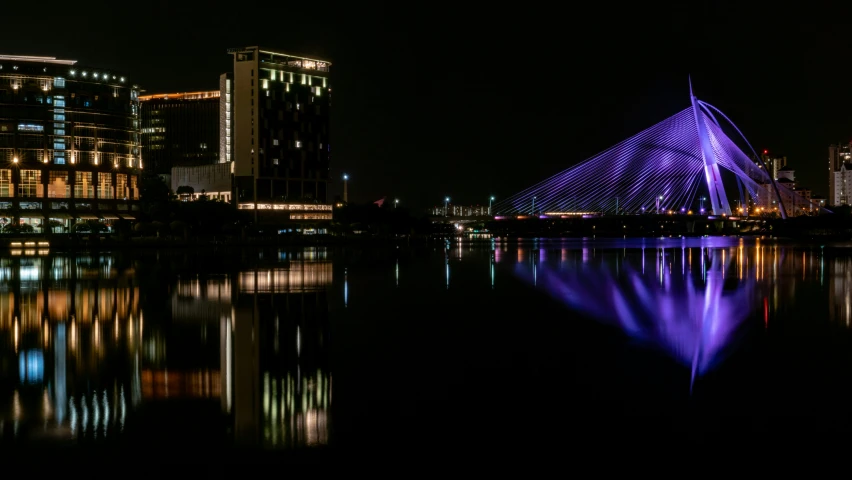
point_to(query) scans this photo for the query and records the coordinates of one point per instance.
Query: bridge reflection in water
(690, 298)
(79, 359)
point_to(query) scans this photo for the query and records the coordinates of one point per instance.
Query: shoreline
(55, 242)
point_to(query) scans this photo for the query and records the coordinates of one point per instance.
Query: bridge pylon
(718, 199)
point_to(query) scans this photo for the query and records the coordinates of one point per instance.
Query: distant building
(460, 210)
(69, 144)
(786, 172)
(841, 185)
(795, 198)
(773, 163)
(180, 130)
(838, 156)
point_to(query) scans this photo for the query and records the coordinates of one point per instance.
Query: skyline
(425, 102)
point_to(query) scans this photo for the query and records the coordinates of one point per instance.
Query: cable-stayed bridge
(664, 168)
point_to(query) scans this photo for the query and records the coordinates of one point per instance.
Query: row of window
(30, 185)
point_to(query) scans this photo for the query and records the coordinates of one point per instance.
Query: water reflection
(80, 361)
(692, 299)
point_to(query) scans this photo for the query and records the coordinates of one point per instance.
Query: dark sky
(447, 99)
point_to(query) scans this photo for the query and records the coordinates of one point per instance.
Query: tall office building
(279, 124)
(839, 170)
(180, 129)
(69, 143)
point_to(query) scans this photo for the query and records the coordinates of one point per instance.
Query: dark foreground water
(429, 353)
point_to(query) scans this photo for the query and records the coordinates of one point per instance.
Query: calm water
(463, 348)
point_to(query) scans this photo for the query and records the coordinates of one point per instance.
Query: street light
(345, 188)
(659, 199)
(395, 203)
(489, 204)
(446, 203)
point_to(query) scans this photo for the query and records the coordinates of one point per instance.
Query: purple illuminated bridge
(665, 167)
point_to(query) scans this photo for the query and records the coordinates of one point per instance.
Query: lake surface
(432, 351)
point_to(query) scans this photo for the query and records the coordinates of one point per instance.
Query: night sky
(444, 99)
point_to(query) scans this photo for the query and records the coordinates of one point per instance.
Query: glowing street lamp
(446, 203)
(395, 203)
(490, 200)
(345, 188)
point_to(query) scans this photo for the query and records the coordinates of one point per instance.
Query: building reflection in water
(840, 289)
(78, 358)
(280, 348)
(75, 326)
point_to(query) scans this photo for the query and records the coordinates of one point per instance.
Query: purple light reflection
(693, 319)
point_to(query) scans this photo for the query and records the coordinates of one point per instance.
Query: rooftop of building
(180, 96)
(292, 60)
(36, 59)
(31, 65)
(278, 53)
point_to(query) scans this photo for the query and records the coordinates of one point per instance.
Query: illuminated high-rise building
(280, 106)
(69, 144)
(273, 140)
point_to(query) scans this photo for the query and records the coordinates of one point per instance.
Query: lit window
(275, 141)
(30, 185)
(298, 144)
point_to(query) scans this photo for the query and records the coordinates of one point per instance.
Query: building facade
(179, 130)
(69, 144)
(795, 198)
(773, 163)
(841, 182)
(460, 210)
(838, 155)
(279, 122)
(214, 180)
